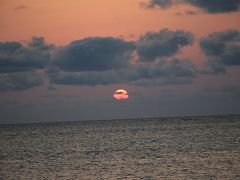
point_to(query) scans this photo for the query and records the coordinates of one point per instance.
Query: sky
(63, 60)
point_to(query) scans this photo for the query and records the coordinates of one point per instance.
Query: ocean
(160, 148)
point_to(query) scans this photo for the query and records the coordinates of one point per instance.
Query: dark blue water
(166, 148)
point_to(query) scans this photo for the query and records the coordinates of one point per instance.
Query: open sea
(164, 148)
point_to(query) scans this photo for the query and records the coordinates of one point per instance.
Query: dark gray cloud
(9, 47)
(105, 61)
(216, 43)
(164, 43)
(94, 61)
(39, 42)
(210, 6)
(94, 54)
(160, 3)
(231, 56)
(19, 81)
(88, 78)
(222, 49)
(17, 57)
(170, 70)
(216, 6)
(211, 66)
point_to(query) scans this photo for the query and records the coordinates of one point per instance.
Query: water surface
(164, 148)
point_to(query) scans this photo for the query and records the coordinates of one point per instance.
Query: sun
(120, 94)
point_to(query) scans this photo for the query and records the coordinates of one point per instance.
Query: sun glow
(120, 94)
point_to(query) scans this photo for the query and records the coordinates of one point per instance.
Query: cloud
(148, 61)
(170, 70)
(187, 13)
(222, 49)
(9, 47)
(17, 57)
(20, 7)
(164, 43)
(191, 13)
(19, 81)
(85, 78)
(39, 42)
(211, 66)
(216, 43)
(210, 6)
(159, 3)
(97, 61)
(163, 82)
(229, 89)
(94, 54)
(216, 6)
(92, 61)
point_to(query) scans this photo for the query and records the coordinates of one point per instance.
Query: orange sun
(120, 94)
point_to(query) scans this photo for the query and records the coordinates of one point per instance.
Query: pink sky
(63, 21)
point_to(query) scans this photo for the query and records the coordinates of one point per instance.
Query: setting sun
(120, 94)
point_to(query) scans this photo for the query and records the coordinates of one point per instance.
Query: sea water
(164, 148)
